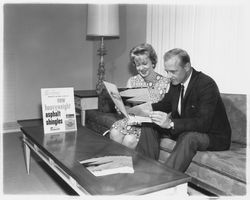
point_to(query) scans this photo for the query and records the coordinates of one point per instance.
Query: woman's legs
(116, 135)
(127, 140)
(130, 141)
(125, 134)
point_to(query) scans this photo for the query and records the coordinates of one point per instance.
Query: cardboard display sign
(58, 109)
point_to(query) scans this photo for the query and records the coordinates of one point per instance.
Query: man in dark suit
(194, 116)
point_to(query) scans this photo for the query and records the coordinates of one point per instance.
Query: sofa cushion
(100, 121)
(167, 144)
(105, 103)
(223, 170)
(231, 162)
(235, 105)
(215, 181)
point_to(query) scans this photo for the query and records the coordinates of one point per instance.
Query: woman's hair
(180, 53)
(143, 49)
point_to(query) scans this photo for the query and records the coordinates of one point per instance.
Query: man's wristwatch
(171, 125)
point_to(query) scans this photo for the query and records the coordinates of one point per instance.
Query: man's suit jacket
(203, 110)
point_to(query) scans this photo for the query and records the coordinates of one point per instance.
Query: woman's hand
(132, 120)
(117, 110)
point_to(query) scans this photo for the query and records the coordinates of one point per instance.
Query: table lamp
(103, 23)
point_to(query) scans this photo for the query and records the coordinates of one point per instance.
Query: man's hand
(161, 118)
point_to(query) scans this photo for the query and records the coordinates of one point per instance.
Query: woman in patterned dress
(144, 58)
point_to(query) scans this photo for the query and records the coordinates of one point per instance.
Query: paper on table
(107, 165)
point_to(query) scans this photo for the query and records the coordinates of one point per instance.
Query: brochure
(58, 109)
(136, 95)
(135, 92)
(107, 165)
(116, 97)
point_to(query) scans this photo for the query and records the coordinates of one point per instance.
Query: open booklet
(116, 97)
(136, 95)
(107, 165)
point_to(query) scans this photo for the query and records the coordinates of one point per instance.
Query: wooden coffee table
(63, 151)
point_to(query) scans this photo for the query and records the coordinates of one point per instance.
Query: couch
(218, 172)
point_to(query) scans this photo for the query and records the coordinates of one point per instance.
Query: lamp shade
(103, 20)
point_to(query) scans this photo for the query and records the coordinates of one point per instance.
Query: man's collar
(187, 80)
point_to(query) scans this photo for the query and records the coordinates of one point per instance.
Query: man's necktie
(181, 96)
(180, 104)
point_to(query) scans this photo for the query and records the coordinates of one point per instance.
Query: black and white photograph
(182, 65)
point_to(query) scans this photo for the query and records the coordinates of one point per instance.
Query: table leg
(83, 113)
(27, 157)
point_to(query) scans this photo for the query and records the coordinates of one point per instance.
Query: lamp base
(101, 70)
(100, 78)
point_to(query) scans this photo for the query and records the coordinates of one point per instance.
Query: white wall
(44, 46)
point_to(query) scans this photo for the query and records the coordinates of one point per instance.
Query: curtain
(214, 35)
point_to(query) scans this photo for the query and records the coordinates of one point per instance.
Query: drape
(214, 35)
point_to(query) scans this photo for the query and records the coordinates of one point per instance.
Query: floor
(15, 178)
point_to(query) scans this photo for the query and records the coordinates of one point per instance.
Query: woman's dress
(157, 89)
